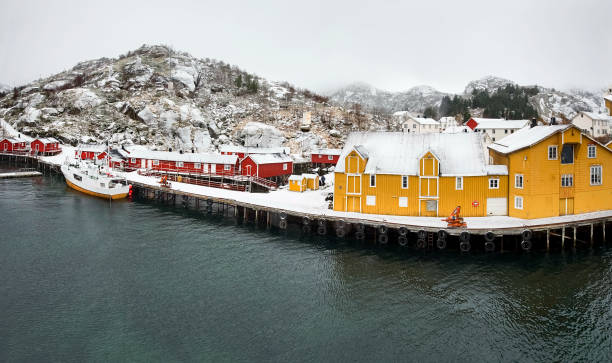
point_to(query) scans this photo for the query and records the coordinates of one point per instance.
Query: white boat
(96, 180)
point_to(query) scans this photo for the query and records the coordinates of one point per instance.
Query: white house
(447, 122)
(594, 124)
(496, 128)
(420, 125)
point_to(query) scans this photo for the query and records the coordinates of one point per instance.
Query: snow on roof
(254, 150)
(525, 137)
(270, 158)
(608, 97)
(499, 123)
(92, 147)
(297, 177)
(47, 140)
(598, 116)
(185, 157)
(399, 153)
(425, 121)
(497, 169)
(328, 151)
(456, 129)
(362, 151)
(310, 176)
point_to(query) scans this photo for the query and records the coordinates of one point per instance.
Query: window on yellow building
(431, 205)
(552, 152)
(567, 180)
(596, 175)
(459, 183)
(494, 183)
(404, 181)
(592, 152)
(567, 154)
(403, 202)
(518, 202)
(371, 200)
(518, 181)
(372, 180)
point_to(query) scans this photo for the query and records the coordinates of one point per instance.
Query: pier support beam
(592, 235)
(575, 228)
(548, 240)
(563, 237)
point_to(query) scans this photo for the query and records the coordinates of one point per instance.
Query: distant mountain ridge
(548, 102)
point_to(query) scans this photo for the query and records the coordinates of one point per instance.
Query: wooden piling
(548, 240)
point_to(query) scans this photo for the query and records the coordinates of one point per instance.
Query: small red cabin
(46, 146)
(14, 145)
(267, 166)
(325, 156)
(91, 152)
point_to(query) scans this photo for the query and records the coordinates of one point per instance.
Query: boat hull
(95, 194)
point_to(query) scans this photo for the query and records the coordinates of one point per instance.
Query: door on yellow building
(353, 203)
(353, 184)
(566, 206)
(429, 187)
(429, 207)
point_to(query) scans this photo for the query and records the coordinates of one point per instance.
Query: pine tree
(238, 81)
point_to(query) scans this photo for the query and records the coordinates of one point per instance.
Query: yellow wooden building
(312, 181)
(419, 175)
(555, 170)
(608, 102)
(297, 183)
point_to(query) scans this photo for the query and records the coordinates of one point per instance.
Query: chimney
(193, 151)
(553, 120)
(534, 122)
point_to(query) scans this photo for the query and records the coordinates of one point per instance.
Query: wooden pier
(557, 236)
(574, 235)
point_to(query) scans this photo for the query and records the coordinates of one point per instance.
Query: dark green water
(80, 281)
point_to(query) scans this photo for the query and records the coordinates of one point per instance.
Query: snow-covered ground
(313, 203)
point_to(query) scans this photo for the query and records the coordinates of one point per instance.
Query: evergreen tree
(238, 81)
(430, 112)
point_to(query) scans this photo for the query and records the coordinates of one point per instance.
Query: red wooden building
(91, 152)
(267, 165)
(14, 145)
(203, 163)
(45, 146)
(325, 156)
(242, 151)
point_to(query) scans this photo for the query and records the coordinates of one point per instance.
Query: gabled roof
(47, 140)
(362, 151)
(254, 150)
(598, 116)
(425, 121)
(98, 148)
(209, 158)
(499, 123)
(398, 153)
(526, 137)
(608, 97)
(327, 151)
(270, 158)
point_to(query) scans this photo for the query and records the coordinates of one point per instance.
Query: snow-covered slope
(169, 99)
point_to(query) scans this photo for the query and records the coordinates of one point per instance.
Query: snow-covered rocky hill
(163, 98)
(548, 102)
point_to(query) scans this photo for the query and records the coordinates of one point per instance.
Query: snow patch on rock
(257, 134)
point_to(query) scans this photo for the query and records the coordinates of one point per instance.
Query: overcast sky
(392, 45)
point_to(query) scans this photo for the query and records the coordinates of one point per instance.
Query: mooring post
(256, 215)
(548, 240)
(563, 237)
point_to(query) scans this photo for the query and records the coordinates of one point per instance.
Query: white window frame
(156, 162)
(227, 167)
(197, 165)
(496, 183)
(459, 183)
(405, 177)
(556, 148)
(591, 174)
(564, 180)
(330, 157)
(372, 178)
(133, 160)
(518, 202)
(284, 166)
(179, 164)
(403, 202)
(517, 178)
(371, 200)
(591, 148)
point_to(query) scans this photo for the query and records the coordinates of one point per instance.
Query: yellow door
(566, 206)
(353, 184)
(353, 204)
(353, 164)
